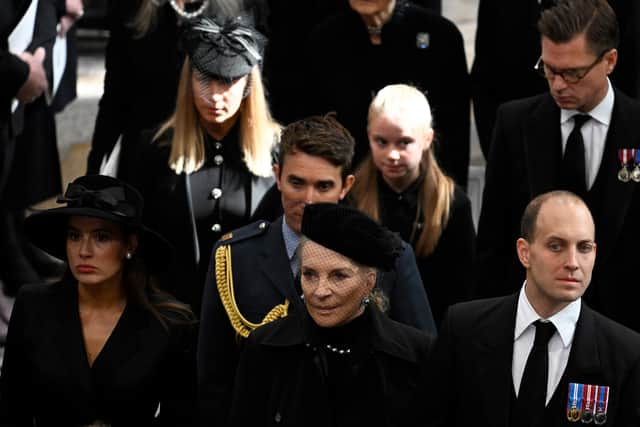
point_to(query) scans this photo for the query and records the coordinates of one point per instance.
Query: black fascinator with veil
(223, 48)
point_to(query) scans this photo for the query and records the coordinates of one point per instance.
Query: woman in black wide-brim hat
(205, 171)
(103, 346)
(342, 362)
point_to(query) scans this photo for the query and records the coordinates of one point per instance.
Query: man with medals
(579, 137)
(540, 357)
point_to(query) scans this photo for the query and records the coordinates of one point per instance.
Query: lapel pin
(422, 40)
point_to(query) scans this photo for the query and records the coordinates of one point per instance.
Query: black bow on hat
(111, 199)
(223, 50)
(97, 196)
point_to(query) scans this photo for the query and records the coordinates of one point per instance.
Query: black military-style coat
(169, 209)
(282, 380)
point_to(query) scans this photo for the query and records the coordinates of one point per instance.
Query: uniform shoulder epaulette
(248, 231)
(224, 280)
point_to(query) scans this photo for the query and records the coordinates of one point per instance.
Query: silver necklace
(189, 15)
(338, 350)
(331, 348)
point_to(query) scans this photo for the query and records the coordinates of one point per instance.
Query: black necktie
(533, 387)
(573, 163)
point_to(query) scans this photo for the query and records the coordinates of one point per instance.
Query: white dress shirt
(594, 133)
(559, 345)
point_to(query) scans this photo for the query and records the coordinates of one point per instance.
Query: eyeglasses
(570, 75)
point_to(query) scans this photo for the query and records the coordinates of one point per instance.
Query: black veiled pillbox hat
(102, 197)
(223, 48)
(351, 233)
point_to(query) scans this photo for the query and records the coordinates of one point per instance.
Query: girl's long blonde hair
(258, 131)
(436, 192)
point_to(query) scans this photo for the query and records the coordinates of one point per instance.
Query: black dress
(47, 380)
(367, 372)
(194, 210)
(447, 273)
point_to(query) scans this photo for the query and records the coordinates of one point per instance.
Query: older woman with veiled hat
(210, 164)
(342, 362)
(102, 347)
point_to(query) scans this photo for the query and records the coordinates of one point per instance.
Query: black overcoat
(46, 376)
(279, 375)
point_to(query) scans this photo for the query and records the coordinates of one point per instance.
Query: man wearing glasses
(581, 136)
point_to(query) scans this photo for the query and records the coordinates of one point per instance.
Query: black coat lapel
(495, 354)
(183, 199)
(616, 195)
(68, 338)
(259, 187)
(123, 342)
(584, 366)
(543, 147)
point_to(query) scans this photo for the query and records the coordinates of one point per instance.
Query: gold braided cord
(224, 283)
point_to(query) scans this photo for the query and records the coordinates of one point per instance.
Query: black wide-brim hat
(351, 233)
(104, 197)
(223, 48)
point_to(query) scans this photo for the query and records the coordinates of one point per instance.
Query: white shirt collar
(565, 320)
(601, 112)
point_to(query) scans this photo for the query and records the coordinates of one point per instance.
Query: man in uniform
(581, 136)
(252, 273)
(541, 356)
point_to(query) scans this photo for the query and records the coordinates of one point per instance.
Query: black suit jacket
(471, 379)
(262, 279)
(505, 74)
(35, 166)
(525, 161)
(46, 376)
(14, 71)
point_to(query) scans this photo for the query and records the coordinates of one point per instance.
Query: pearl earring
(129, 255)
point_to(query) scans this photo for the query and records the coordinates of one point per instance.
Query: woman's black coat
(168, 210)
(47, 380)
(279, 375)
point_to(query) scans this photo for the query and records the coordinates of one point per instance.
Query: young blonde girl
(401, 185)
